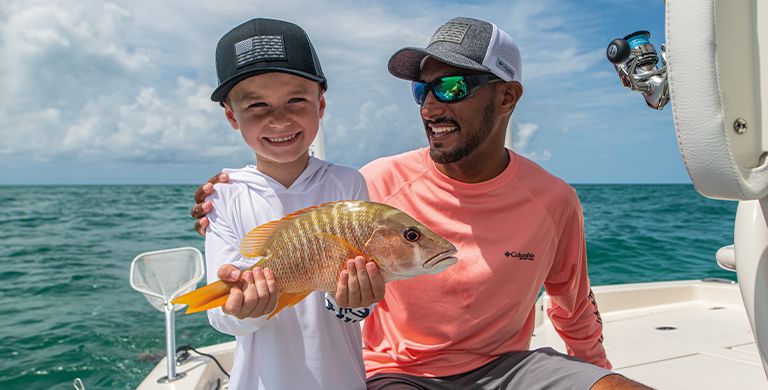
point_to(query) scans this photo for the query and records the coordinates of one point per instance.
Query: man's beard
(472, 143)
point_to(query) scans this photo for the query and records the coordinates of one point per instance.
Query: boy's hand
(254, 294)
(360, 285)
(201, 207)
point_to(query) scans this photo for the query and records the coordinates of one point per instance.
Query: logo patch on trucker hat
(453, 32)
(505, 67)
(259, 48)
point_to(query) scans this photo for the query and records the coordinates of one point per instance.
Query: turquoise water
(65, 252)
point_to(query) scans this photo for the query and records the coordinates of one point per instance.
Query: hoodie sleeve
(222, 247)
(573, 309)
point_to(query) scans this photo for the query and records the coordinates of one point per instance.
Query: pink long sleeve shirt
(516, 232)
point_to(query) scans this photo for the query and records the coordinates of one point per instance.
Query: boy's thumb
(229, 273)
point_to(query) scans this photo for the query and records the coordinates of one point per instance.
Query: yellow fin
(253, 244)
(220, 301)
(204, 296)
(341, 242)
(287, 300)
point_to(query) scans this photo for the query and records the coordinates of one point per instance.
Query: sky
(118, 92)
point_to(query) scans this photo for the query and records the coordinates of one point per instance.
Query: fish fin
(287, 300)
(220, 301)
(341, 242)
(253, 244)
(204, 296)
(303, 211)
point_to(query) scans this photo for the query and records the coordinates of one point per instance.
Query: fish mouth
(442, 257)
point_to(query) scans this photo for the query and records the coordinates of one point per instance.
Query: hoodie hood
(255, 180)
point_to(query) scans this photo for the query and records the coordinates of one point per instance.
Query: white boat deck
(674, 335)
(668, 335)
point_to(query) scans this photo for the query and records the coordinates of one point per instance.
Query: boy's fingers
(262, 290)
(234, 302)
(366, 293)
(342, 290)
(228, 273)
(250, 295)
(273, 290)
(353, 296)
(377, 282)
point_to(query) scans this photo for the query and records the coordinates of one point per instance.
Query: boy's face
(278, 114)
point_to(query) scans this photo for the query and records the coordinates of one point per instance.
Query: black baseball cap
(264, 45)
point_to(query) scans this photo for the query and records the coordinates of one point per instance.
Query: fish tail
(205, 298)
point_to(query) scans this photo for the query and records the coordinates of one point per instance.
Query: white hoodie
(304, 346)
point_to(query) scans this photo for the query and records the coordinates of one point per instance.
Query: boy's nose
(279, 118)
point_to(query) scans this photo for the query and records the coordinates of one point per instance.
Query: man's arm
(573, 311)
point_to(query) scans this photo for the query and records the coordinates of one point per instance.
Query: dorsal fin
(253, 243)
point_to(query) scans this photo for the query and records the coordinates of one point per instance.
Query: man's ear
(230, 115)
(510, 93)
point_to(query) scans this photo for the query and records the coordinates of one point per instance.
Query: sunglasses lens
(419, 92)
(450, 89)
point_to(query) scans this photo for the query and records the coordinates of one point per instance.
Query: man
(516, 226)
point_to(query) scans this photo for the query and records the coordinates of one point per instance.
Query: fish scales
(303, 261)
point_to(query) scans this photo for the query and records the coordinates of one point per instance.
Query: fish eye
(412, 234)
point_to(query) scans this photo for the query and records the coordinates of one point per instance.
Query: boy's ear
(230, 115)
(322, 104)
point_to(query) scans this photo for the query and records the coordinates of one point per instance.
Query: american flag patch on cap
(451, 32)
(259, 48)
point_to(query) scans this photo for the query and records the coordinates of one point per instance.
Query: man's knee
(617, 381)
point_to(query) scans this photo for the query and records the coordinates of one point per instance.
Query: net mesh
(164, 275)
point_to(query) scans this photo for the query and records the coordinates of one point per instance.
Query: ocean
(69, 312)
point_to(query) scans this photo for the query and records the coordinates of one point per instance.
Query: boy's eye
(257, 104)
(296, 100)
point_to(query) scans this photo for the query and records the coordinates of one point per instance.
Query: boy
(271, 87)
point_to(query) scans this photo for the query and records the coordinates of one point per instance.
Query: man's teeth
(283, 139)
(443, 129)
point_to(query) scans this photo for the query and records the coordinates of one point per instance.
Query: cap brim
(221, 92)
(406, 62)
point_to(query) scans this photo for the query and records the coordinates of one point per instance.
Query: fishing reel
(636, 62)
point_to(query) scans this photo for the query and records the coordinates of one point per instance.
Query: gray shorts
(543, 368)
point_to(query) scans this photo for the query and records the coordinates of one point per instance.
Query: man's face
(456, 130)
(278, 114)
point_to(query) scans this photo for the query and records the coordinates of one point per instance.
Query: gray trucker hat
(464, 43)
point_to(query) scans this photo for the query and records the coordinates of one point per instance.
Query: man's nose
(432, 108)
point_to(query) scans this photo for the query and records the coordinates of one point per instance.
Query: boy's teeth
(282, 139)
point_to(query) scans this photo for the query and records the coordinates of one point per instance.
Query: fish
(307, 249)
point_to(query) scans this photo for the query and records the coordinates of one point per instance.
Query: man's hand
(254, 293)
(201, 207)
(360, 285)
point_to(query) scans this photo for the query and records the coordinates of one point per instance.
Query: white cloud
(130, 81)
(522, 139)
